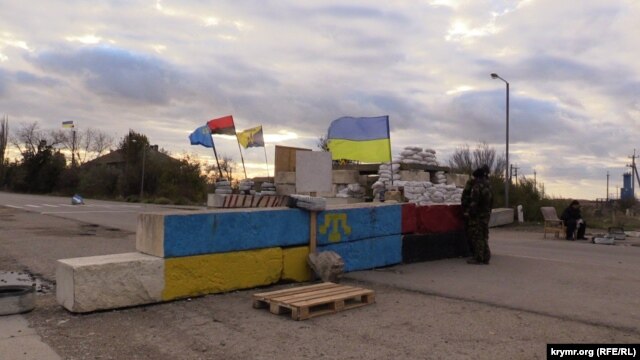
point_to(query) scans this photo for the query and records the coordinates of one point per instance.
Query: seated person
(573, 219)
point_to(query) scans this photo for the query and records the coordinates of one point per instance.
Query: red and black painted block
(409, 218)
(427, 247)
(435, 219)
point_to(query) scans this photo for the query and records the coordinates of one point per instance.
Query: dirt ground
(401, 324)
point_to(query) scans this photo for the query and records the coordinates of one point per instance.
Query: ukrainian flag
(363, 139)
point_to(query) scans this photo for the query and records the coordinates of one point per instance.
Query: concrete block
(110, 281)
(215, 200)
(459, 180)
(285, 189)
(414, 175)
(358, 221)
(343, 201)
(294, 264)
(285, 177)
(439, 219)
(197, 233)
(501, 216)
(216, 273)
(427, 247)
(368, 253)
(345, 176)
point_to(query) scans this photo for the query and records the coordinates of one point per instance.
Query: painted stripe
(370, 151)
(88, 212)
(368, 253)
(13, 206)
(49, 205)
(33, 206)
(216, 273)
(362, 128)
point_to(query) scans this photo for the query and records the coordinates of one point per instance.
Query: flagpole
(266, 161)
(390, 157)
(241, 157)
(213, 145)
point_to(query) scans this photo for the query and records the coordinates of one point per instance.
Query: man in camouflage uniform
(465, 202)
(481, 202)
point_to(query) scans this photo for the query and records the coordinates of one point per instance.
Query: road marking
(49, 205)
(539, 258)
(13, 206)
(86, 212)
(33, 206)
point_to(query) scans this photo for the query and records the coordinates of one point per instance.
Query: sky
(163, 68)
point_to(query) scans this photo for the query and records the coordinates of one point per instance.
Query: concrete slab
(361, 221)
(501, 216)
(414, 175)
(110, 281)
(368, 253)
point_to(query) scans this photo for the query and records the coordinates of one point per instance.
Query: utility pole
(535, 184)
(634, 173)
(607, 187)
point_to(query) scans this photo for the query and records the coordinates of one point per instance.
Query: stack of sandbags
(415, 155)
(267, 188)
(427, 193)
(386, 172)
(351, 191)
(440, 178)
(223, 186)
(246, 187)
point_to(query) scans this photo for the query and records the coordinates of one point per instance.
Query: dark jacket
(571, 213)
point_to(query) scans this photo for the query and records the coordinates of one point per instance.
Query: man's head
(575, 204)
(482, 172)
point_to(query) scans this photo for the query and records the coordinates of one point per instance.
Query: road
(112, 214)
(534, 292)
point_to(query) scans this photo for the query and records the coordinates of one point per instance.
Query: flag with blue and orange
(364, 139)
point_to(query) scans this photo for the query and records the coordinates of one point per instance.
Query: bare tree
(89, 143)
(227, 167)
(323, 143)
(464, 160)
(28, 138)
(4, 133)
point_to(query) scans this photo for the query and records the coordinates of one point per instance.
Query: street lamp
(506, 168)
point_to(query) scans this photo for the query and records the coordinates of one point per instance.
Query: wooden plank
(295, 290)
(308, 296)
(330, 298)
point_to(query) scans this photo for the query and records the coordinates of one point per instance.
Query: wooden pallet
(305, 302)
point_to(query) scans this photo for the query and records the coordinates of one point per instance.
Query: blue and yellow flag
(363, 139)
(251, 137)
(201, 136)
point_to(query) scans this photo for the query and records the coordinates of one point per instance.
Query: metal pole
(506, 184)
(144, 153)
(607, 187)
(215, 154)
(266, 161)
(241, 157)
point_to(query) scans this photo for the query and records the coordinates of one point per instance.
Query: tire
(17, 299)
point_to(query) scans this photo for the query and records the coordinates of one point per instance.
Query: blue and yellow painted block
(368, 253)
(188, 234)
(294, 264)
(357, 223)
(216, 273)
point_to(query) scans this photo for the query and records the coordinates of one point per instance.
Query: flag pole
(390, 157)
(266, 161)
(241, 157)
(213, 145)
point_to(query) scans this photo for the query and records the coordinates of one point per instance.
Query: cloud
(115, 73)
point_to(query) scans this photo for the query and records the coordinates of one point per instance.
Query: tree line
(60, 162)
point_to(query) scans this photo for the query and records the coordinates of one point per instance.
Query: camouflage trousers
(478, 232)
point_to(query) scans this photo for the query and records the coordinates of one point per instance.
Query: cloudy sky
(165, 67)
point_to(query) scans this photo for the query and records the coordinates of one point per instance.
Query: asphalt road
(113, 214)
(534, 292)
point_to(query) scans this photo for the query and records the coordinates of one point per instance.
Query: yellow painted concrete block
(216, 273)
(294, 264)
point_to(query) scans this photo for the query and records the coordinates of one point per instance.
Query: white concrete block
(108, 282)
(501, 216)
(285, 177)
(459, 180)
(215, 200)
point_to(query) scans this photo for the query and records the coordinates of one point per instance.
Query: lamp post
(506, 170)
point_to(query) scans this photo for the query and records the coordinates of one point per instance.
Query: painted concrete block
(294, 264)
(110, 281)
(358, 221)
(501, 216)
(285, 177)
(409, 218)
(439, 219)
(427, 247)
(216, 273)
(197, 233)
(245, 201)
(368, 253)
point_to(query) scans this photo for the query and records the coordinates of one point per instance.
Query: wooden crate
(305, 302)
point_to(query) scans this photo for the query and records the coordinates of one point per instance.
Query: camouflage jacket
(466, 196)
(481, 199)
